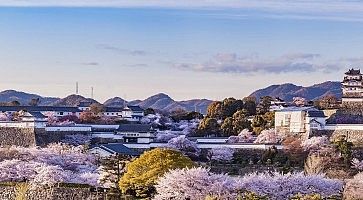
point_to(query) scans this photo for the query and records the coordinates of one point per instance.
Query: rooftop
(134, 128)
(38, 109)
(135, 108)
(118, 148)
(353, 72)
(316, 113)
(294, 108)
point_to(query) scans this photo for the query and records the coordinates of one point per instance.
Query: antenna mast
(92, 92)
(77, 87)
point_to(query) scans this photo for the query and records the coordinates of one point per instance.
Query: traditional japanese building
(352, 87)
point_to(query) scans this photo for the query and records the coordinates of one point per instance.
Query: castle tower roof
(353, 72)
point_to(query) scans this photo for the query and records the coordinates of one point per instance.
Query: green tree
(14, 103)
(97, 108)
(208, 126)
(264, 105)
(240, 122)
(326, 102)
(345, 149)
(230, 106)
(143, 172)
(227, 127)
(149, 111)
(215, 110)
(250, 105)
(34, 102)
(258, 124)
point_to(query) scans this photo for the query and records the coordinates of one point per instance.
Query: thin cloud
(334, 10)
(232, 63)
(121, 50)
(91, 63)
(135, 65)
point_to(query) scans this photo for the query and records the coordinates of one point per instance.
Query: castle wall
(29, 137)
(56, 193)
(17, 136)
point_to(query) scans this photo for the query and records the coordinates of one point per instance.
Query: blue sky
(190, 49)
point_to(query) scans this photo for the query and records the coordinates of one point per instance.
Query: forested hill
(288, 91)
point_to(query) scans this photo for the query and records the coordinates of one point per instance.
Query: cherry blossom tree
(358, 164)
(184, 144)
(299, 101)
(244, 137)
(46, 166)
(165, 136)
(5, 117)
(198, 183)
(194, 183)
(278, 186)
(223, 154)
(315, 143)
(267, 137)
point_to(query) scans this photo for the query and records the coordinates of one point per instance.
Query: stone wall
(17, 136)
(56, 193)
(28, 137)
(354, 136)
(43, 138)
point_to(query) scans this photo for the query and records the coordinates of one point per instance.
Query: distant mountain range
(160, 101)
(288, 91)
(163, 102)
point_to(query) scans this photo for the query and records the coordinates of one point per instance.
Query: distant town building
(112, 149)
(352, 87)
(299, 120)
(132, 113)
(45, 110)
(277, 104)
(136, 133)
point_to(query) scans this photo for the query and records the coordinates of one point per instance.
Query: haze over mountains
(165, 103)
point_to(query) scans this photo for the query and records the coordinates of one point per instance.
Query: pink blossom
(221, 154)
(315, 143)
(267, 137)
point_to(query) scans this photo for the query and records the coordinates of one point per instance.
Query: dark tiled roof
(353, 72)
(38, 108)
(113, 109)
(134, 128)
(119, 149)
(37, 115)
(313, 113)
(84, 104)
(135, 108)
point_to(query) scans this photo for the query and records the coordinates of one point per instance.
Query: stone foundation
(29, 137)
(17, 136)
(56, 193)
(354, 136)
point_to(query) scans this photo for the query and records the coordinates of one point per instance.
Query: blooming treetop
(197, 183)
(165, 136)
(194, 183)
(357, 164)
(314, 143)
(184, 144)
(46, 166)
(267, 137)
(221, 154)
(244, 137)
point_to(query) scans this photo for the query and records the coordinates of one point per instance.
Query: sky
(188, 49)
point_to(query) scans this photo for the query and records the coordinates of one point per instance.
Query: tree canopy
(143, 172)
